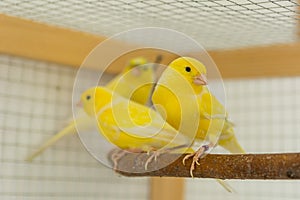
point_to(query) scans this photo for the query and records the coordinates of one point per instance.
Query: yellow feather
(82, 120)
(67, 130)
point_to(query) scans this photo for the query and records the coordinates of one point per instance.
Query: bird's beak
(136, 71)
(79, 104)
(200, 79)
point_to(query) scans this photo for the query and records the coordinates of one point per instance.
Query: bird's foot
(196, 156)
(117, 154)
(153, 156)
(155, 153)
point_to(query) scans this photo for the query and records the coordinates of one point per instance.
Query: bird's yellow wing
(130, 125)
(214, 120)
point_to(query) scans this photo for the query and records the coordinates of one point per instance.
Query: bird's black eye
(88, 97)
(188, 69)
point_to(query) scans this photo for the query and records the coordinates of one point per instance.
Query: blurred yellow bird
(171, 93)
(134, 82)
(130, 125)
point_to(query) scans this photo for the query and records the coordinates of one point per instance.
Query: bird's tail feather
(225, 185)
(229, 142)
(71, 128)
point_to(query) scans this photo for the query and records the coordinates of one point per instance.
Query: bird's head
(94, 99)
(133, 66)
(191, 70)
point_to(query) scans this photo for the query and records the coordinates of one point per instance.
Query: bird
(136, 81)
(133, 82)
(129, 125)
(182, 83)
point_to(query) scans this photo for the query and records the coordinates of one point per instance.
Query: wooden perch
(221, 166)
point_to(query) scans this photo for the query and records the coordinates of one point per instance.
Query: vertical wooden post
(298, 18)
(167, 188)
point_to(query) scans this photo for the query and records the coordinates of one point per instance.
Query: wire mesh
(35, 96)
(35, 102)
(215, 24)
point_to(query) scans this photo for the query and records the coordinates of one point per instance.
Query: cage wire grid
(216, 24)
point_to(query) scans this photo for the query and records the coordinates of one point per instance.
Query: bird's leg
(154, 156)
(157, 153)
(196, 156)
(117, 154)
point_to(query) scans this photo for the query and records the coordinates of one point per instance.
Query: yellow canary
(131, 126)
(135, 82)
(127, 124)
(171, 93)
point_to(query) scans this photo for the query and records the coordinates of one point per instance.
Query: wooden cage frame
(40, 41)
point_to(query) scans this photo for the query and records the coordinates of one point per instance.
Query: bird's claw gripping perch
(116, 155)
(154, 156)
(196, 156)
(157, 153)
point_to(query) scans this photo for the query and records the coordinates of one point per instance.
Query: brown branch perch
(221, 166)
